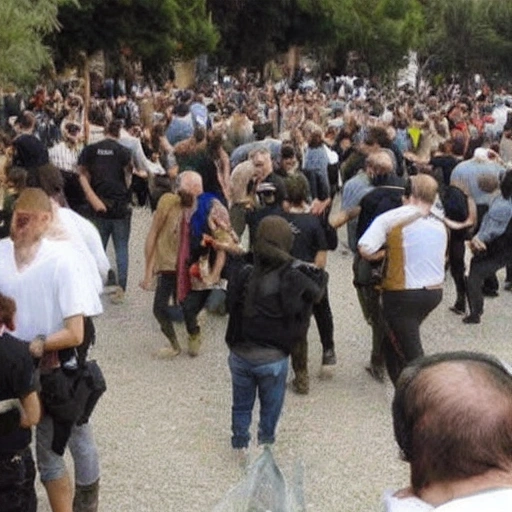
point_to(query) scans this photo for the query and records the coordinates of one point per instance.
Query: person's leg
(404, 311)
(324, 321)
(456, 250)
(52, 469)
(244, 396)
(271, 382)
(192, 305)
(482, 266)
(104, 227)
(121, 238)
(164, 313)
(87, 468)
(299, 357)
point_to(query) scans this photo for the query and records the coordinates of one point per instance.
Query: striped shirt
(64, 157)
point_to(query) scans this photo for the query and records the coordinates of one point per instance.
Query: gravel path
(163, 427)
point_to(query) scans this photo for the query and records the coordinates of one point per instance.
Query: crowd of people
(243, 183)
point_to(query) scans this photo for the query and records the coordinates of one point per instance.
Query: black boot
(86, 497)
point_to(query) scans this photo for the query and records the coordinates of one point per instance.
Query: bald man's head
(453, 418)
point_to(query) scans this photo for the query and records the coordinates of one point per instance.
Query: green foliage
(22, 52)
(469, 36)
(152, 31)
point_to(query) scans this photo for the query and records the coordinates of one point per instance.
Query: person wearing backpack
(270, 305)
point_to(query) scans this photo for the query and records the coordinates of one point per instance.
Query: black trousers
(323, 318)
(17, 475)
(483, 266)
(404, 311)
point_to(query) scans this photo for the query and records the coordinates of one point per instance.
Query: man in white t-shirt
(452, 416)
(413, 241)
(49, 283)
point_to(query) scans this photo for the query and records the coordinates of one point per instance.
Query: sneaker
(117, 297)
(457, 309)
(329, 357)
(508, 286)
(167, 353)
(471, 319)
(194, 344)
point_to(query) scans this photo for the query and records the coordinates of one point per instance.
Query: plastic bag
(264, 489)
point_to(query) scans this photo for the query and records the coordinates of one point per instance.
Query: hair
(316, 139)
(452, 416)
(381, 162)
(297, 188)
(506, 185)
(424, 187)
(17, 176)
(51, 180)
(7, 311)
(287, 151)
(259, 151)
(114, 128)
(26, 120)
(34, 200)
(378, 135)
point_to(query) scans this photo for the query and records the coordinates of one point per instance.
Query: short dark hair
(452, 417)
(378, 135)
(506, 185)
(297, 188)
(114, 128)
(287, 151)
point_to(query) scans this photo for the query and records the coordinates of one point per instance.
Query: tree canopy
(24, 24)
(456, 37)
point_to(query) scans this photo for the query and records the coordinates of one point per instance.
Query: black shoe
(508, 286)
(458, 309)
(471, 319)
(490, 293)
(329, 357)
(377, 372)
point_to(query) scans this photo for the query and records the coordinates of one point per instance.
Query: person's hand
(318, 207)
(477, 245)
(99, 206)
(147, 284)
(36, 347)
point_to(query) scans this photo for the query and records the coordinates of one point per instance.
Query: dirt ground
(163, 427)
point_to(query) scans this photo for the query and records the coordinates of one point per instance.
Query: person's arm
(341, 218)
(30, 410)
(150, 248)
(71, 335)
(218, 265)
(84, 178)
(321, 259)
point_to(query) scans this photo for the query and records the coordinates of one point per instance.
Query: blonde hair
(424, 188)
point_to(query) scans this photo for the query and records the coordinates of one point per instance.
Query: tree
(22, 52)
(149, 31)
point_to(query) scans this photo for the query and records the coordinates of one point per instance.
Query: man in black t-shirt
(105, 175)
(309, 245)
(17, 471)
(29, 152)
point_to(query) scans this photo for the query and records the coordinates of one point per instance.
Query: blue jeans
(270, 382)
(119, 229)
